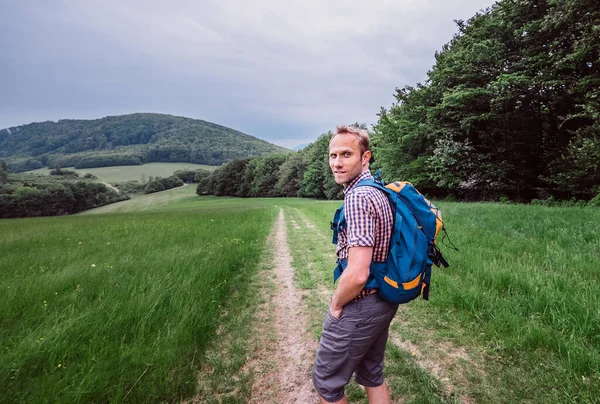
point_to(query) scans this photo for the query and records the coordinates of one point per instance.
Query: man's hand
(336, 313)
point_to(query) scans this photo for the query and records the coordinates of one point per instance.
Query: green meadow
(132, 173)
(121, 305)
(521, 299)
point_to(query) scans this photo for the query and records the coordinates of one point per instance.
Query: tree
(290, 175)
(3, 172)
(266, 172)
(316, 157)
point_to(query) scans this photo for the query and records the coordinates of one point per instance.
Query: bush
(595, 201)
(545, 202)
(30, 196)
(161, 184)
(20, 165)
(188, 176)
(504, 200)
(201, 174)
(130, 187)
(65, 173)
(203, 186)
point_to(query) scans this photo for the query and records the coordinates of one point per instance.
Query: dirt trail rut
(288, 380)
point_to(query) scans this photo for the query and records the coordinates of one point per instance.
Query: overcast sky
(283, 71)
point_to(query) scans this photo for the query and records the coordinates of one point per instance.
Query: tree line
(510, 111)
(304, 173)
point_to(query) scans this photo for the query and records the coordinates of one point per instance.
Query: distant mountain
(300, 146)
(125, 140)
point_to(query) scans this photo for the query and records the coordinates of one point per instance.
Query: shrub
(65, 173)
(131, 187)
(595, 201)
(201, 174)
(188, 176)
(160, 184)
(31, 196)
(20, 165)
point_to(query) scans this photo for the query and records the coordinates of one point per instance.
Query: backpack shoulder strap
(367, 182)
(338, 223)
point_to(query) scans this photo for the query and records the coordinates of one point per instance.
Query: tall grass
(119, 307)
(528, 278)
(524, 289)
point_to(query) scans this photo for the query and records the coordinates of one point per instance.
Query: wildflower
(59, 365)
(93, 265)
(80, 242)
(41, 338)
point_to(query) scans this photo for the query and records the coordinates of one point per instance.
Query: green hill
(126, 140)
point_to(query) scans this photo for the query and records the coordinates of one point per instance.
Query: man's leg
(344, 400)
(333, 366)
(379, 394)
(370, 371)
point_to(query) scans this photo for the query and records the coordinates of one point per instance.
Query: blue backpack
(406, 274)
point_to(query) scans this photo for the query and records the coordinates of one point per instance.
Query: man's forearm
(350, 284)
(353, 278)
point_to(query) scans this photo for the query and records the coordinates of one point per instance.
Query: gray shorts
(353, 343)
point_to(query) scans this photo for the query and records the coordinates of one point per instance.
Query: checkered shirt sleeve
(369, 219)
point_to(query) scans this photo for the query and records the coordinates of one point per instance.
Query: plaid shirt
(369, 220)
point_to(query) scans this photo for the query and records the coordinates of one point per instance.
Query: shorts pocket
(333, 319)
(363, 337)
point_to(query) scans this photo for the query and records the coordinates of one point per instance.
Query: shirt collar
(362, 176)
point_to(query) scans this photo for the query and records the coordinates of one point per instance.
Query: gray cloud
(281, 71)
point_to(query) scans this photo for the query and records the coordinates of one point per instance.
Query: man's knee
(326, 387)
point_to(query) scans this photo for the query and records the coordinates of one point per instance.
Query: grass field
(521, 300)
(131, 173)
(120, 305)
(154, 201)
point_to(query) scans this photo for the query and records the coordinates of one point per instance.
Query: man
(356, 327)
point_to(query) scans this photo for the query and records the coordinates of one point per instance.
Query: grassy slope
(154, 201)
(130, 173)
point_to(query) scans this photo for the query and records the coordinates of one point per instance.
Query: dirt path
(284, 376)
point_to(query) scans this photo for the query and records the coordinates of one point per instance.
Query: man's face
(345, 159)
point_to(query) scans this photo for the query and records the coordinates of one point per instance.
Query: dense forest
(510, 111)
(125, 140)
(510, 108)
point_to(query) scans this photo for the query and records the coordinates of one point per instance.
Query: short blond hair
(360, 134)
